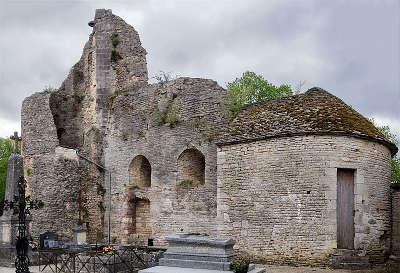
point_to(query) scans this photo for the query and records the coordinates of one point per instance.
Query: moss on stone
(314, 112)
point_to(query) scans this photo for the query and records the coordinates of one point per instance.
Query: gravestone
(48, 240)
(196, 253)
(9, 221)
(80, 233)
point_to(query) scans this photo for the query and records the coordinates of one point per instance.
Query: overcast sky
(348, 47)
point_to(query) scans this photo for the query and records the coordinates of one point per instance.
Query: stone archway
(191, 168)
(140, 172)
(138, 215)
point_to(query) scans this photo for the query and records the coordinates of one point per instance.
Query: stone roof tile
(315, 112)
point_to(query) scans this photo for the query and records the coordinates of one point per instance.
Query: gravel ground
(269, 269)
(290, 269)
(32, 269)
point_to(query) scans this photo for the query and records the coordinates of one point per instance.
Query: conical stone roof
(316, 112)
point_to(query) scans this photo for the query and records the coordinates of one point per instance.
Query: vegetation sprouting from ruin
(101, 207)
(49, 89)
(100, 189)
(125, 135)
(163, 77)
(251, 88)
(115, 56)
(114, 96)
(208, 132)
(395, 161)
(186, 183)
(114, 39)
(168, 116)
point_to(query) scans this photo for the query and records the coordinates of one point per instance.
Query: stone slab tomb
(197, 253)
(167, 269)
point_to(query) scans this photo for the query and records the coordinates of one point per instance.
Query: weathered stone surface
(175, 207)
(38, 129)
(277, 197)
(396, 219)
(198, 251)
(56, 180)
(170, 269)
(76, 116)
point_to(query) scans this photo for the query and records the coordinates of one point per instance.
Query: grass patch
(186, 183)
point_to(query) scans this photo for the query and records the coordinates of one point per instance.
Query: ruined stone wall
(139, 129)
(396, 219)
(277, 197)
(52, 172)
(76, 116)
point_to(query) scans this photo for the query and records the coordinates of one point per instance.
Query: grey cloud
(347, 47)
(33, 49)
(362, 42)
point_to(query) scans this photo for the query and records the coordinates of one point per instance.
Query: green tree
(252, 88)
(392, 137)
(6, 149)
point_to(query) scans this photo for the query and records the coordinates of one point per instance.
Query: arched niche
(140, 172)
(191, 168)
(139, 217)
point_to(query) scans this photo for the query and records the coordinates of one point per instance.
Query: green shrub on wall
(395, 162)
(169, 116)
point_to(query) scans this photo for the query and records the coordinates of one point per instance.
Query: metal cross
(16, 139)
(21, 206)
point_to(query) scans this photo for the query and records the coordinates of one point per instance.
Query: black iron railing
(92, 260)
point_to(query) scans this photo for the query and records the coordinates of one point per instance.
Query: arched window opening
(139, 216)
(140, 172)
(191, 168)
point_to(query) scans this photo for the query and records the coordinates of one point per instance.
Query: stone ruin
(107, 111)
(178, 165)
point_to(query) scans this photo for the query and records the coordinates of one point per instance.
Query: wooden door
(345, 208)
